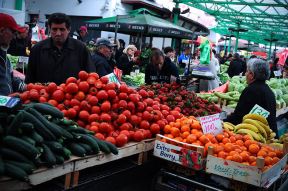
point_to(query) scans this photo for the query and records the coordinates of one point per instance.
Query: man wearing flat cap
(103, 57)
(8, 83)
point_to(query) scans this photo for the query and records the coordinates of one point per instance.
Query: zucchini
(3, 116)
(54, 146)
(15, 172)
(29, 140)
(79, 130)
(1, 130)
(67, 153)
(103, 146)
(90, 141)
(53, 128)
(21, 146)
(59, 159)
(2, 168)
(77, 149)
(26, 127)
(10, 118)
(66, 134)
(112, 147)
(48, 110)
(39, 126)
(9, 154)
(13, 128)
(36, 137)
(87, 148)
(28, 168)
(48, 156)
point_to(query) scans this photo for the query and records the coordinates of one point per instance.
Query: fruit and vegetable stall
(50, 131)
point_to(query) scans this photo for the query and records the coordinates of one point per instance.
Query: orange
(226, 140)
(247, 143)
(253, 163)
(213, 140)
(172, 124)
(178, 139)
(191, 138)
(167, 129)
(237, 158)
(228, 147)
(218, 148)
(275, 160)
(243, 148)
(279, 153)
(246, 137)
(245, 156)
(177, 124)
(252, 159)
(262, 153)
(245, 163)
(194, 131)
(253, 148)
(238, 137)
(185, 134)
(238, 150)
(231, 153)
(268, 160)
(222, 154)
(204, 139)
(232, 139)
(239, 142)
(170, 136)
(226, 135)
(220, 137)
(196, 125)
(229, 157)
(175, 132)
(208, 145)
(164, 140)
(185, 128)
(199, 134)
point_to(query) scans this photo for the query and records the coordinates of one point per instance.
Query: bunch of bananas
(255, 126)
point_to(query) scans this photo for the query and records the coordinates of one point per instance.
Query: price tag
(257, 109)
(10, 102)
(211, 124)
(23, 59)
(113, 78)
(277, 73)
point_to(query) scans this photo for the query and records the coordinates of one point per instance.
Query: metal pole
(175, 21)
(116, 29)
(225, 46)
(269, 55)
(141, 36)
(229, 45)
(163, 43)
(237, 37)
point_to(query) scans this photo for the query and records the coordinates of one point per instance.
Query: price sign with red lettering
(211, 124)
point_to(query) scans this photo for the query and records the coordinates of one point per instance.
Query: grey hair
(259, 67)
(99, 47)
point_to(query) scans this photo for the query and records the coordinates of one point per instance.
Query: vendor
(257, 92)
(161, 69)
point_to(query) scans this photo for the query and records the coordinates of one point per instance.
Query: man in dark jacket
(8, 83)
(102, 59)
(59, 57)
(257, 92)
(236, 67)
(161, 69)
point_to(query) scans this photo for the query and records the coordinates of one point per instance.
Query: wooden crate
(188, 155)
(253, 175)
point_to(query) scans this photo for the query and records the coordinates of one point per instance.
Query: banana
(228, 127)
(263, 140)
(246, 126)
(277, 145)
(230, 124)
(249, 132)
(272, 135)
(256, 117)
(266, 127)
(259, 127)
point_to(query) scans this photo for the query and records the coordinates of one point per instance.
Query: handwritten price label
(211, 124)
(9, 102)
(257, 109)
(112, 78)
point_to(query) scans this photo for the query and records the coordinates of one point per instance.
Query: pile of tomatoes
(115, 113)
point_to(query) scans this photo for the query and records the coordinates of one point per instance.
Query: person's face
(187, 51)
(171, 54)
(59, 33)
(130, 51)
(83, 33)
(158, 61)
(249, 77)
(106, 51)
(24, 34)
(6, 35)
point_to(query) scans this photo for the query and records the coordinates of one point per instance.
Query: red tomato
(140, 106)
(104, 79)
(93, 91)
(110, 86)
(24, 96)
(95, 75)
(125, 132)
(80, 96)
(71, 80)
(92, 100)
(121, 119)
(34, 95)
(84, 105)
(94, 128)
(42, 99)
(111, 94)
(44, 93)
(149, 101)
(77, 108)
(121, 140)
(147, 116)
(124, 126)
(68, 96)
(99, 136)
(111, 140)
(71, 113)
(83, 86)
(105, 128)
(134, 98)
(122, 104)
(135, 120)
(91, 80)
(143, 93)
(170, 118)
(53, 102)
(144, 124)
(138, 136)
(58, 95)
(83, 115)
(150, 94)
(30, 86)
(81, 123)
(74, 102)
(93, 117)
(147, 134)
(105, 117)
(123, 96)
(105, 106)
(71, 88)
(123, 88)
(102, 95)
(154, 128)
(176, 114)
(95, 109)
(127, 113)
(83, 75)
(131, 106)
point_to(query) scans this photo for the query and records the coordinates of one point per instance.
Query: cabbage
(285, 98)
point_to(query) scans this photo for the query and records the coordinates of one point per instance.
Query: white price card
(113, 78)
(23, 59)
(211, 124)
(257, 109)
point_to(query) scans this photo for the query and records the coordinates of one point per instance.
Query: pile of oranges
(226, 145)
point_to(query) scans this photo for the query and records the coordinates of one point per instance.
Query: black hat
(104, 41)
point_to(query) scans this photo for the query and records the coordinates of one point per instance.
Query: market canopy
(265, 20)
(142, 21)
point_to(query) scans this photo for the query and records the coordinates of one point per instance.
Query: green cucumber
(28, 140)
(21, 146)
(26, 127)
(77, 149)
(15, 172)
(66, 134)
(90, 141)
(39, 126)
(13, 128)
(48, 156)
(79, 130)
(28, 168)
(87, 148)
(103, 146)
(59, 159)
(48, 110)
(36, 137)
(67, 153)
(55, 146)
(112, 148)
(9, 154)
(10, 118)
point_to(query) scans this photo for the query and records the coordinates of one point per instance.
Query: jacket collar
(67, 45)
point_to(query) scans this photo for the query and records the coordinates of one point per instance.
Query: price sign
(8, 101)
(23, 59)
(113, 78)
(211, 124)
(277, 73)
(257, 109)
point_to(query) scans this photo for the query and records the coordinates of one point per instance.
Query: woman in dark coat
(127, 60)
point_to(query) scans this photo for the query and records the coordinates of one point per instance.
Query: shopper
(58, 57)
(127, 60)
(184, 57)
(20, 43)
(160, 69)
(170, 53)
(102, 58)
(119, 50)
(257, 92)
(81, 33)
(273, 67)
(236, 67)
(8, 83)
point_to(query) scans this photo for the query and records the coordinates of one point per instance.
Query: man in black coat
(236, 67)
(257, 92)
(102, 59)
(58, 57)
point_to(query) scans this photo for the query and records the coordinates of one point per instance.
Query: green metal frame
(261, 18)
